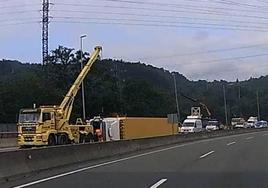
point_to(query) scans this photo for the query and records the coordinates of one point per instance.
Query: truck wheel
(82, 138)
(51, 140)
(62, 139)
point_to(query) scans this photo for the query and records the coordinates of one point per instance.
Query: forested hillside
(112, 86)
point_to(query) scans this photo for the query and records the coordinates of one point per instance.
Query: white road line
(266, 134)
(157, 184)
(205, 155)
(231, 143)
(124, 159)
(9, 149)
(98, 165)
(248, 138)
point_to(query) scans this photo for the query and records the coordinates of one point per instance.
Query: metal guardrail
(8, 130)
(8, 135)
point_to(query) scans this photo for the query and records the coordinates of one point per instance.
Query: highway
(233, 161)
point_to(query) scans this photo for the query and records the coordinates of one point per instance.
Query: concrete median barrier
(8, 142)
(26, 161)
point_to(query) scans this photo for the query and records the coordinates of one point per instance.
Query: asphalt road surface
(233, 161)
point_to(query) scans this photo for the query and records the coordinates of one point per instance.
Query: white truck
(238, 123)
(252, 122)
(192, 124)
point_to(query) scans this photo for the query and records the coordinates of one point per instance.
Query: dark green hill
(112, 86)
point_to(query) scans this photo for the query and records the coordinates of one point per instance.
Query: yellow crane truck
(49, 125)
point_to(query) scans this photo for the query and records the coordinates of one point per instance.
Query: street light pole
(225, 106)
(258, 105)
(82, 85)
(176, 96)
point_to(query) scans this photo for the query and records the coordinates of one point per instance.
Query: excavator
(199, 102)
(49, 125)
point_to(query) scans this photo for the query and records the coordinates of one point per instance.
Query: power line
(135, 8)
(234, 58)
(159, 16)
(164, 10)
(182, 5)
(207, 52)
(20, 23)
(18, 6)
(241, 4)
(158, 25)
(18, 12)
(158, 21)
(18, 19)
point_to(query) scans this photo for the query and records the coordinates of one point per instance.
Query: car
(261, 124)
(214, 125)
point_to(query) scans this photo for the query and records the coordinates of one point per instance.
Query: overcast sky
(204, 39)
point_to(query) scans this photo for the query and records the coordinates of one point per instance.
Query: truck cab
(34, 126)
(106, 129)
(238, 123)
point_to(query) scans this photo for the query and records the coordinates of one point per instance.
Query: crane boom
(197, 101)
(50, 125)
(67, 103)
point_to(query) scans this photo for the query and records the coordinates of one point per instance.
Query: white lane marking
(96, 166)
(205, 155)
(231, 143)
(266, 134)
(248, 138)
(157, 184)
(9, 149)
(127, 158)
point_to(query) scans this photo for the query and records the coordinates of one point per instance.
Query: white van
(252, 122)
(191, 125)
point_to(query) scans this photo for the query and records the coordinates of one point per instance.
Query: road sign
(172, 118)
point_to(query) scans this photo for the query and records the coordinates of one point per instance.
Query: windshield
(188, 124)
(31, 117)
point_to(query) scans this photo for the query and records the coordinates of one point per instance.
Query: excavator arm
(206, 108)
(197, 101)
(67, 103)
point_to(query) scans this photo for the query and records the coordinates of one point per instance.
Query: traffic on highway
(133, 94)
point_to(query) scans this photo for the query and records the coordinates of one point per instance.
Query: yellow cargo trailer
(122, 128)
(141, 127)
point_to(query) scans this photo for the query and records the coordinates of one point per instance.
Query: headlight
(39, 137)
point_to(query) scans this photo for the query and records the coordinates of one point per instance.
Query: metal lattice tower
(45, 22)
